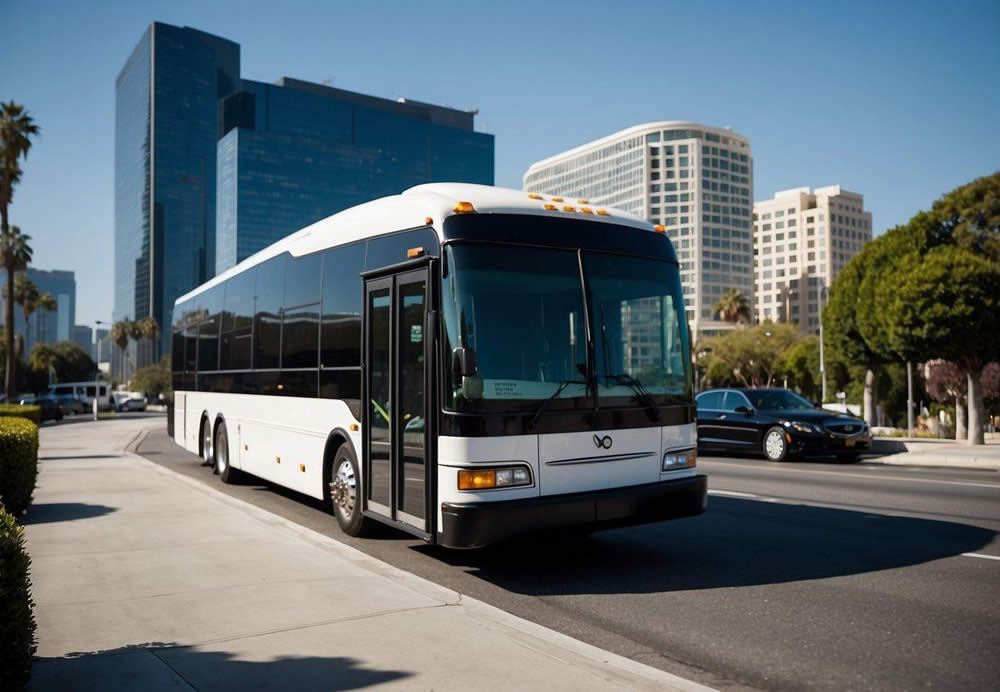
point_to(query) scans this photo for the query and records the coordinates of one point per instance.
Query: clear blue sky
(897, 100)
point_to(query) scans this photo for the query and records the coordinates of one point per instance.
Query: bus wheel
(345, 492)
(206, 443)
(222, 466)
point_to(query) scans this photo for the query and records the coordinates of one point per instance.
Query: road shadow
(56, 457)
(159, 665)
(51, 512)
(737, 542)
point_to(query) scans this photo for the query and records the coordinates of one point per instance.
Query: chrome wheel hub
(223, 453)
(343, 489)
(774, 445)
(206, 444)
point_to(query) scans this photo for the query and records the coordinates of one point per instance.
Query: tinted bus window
(341, 330)
(269, 289)
(237, 322)
(302, 280)
(208, 345)
(391, 249)
(300, 337)
(177, 352)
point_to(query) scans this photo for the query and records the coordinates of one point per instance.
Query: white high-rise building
(695, 180)
(802, 239)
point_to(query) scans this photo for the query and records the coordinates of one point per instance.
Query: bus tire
(207, 459)
(345, 491)
(220, 449)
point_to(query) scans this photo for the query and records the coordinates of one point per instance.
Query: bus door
(397, 437)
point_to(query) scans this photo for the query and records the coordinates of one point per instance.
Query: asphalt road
(800, 575)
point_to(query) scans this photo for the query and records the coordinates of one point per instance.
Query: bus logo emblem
(603, 442)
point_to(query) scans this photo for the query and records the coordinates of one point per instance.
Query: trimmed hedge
(17, 624)
(29, 411)
(18, 463)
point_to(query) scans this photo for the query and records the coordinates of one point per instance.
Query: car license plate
(849, 443)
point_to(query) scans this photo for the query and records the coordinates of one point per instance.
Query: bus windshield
(523, 311)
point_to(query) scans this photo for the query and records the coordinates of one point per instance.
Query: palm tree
(47, 303)
(149, 329)
(16, 130)
(15, 254)
(733, 306)
(124, 331)
(43, 357)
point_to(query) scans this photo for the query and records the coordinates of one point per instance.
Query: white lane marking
(860, 475)
(985, 557)
(733, 493)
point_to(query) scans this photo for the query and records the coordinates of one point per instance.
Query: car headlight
(802, 427)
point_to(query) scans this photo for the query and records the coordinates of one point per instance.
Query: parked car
(129, 401)
(50, 409)
(71, 404)
(778, 423)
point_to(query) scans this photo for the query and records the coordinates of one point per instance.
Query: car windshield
(521, 310)
(777, 400)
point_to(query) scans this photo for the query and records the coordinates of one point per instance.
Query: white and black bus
(466, 363)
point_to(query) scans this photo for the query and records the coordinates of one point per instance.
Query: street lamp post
(97, 377)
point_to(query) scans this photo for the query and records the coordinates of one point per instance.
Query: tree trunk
(870, 398)
(8, 320)
(961, 432)
(977, 410)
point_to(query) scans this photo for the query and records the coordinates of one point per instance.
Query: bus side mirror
(463, 362)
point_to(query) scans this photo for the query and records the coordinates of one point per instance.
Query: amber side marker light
(582, 201)
(414, 252)
(429, 221)
(659, 229)
(603, 212)
(586, 210)
(551, 207)
(534, 195)
(474, 480)
(557, 199)
(464, 208)
(569, 208)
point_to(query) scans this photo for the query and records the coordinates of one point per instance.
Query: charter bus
(466, 363)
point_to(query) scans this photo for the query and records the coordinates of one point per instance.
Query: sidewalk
(929, 452)
(144, 579)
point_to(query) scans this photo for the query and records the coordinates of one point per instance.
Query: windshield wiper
(635, 385)
(555, 394)
(641, 393)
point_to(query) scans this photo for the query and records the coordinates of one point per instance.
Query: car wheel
(220, 450)
(345, 492)
(207, 459)
(775, 446)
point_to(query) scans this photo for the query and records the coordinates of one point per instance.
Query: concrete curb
(529, 634)
(979, 463)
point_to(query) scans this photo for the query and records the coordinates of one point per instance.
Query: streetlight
(97, 377)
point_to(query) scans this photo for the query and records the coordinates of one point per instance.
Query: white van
(84, 391)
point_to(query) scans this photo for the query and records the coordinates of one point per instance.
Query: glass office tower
(296, 152)
(166, 129)
(210, 168)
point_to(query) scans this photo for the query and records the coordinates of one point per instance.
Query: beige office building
(694, 179)
(802, 239)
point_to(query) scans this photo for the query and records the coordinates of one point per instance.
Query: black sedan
(777, 422)
(50, 409)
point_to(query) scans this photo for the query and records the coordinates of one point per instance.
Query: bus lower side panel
(472, 525)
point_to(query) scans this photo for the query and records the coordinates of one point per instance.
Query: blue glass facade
(46, 327)
(167, 126)
(296, 152)
(210, 168)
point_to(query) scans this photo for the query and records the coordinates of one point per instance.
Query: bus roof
(412, 208)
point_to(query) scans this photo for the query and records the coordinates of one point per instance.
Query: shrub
(17, 624)
(18, 463)
(32, 413)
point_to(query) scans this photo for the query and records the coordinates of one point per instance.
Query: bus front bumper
(476, 524)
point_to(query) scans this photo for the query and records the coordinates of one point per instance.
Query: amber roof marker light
(659, 229)
(464, 208)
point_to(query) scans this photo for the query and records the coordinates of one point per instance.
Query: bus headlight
(674, 460)
(489, 479)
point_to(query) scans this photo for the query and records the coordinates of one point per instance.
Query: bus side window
(268, 289)
(340, 339)
(237, 322)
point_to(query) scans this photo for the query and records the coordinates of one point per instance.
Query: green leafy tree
(154, 379)
(72, 363)
(16, 130)
(800, 364)
(733, 306)
(748, 357)
(946, 304)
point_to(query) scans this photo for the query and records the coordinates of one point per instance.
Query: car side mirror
(463, 362)
(746, 411)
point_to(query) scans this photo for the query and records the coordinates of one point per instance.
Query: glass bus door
(396, 475)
